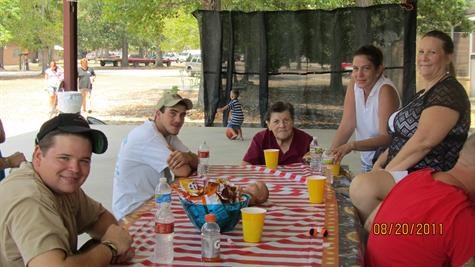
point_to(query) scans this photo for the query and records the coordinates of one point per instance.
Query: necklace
(445, 76)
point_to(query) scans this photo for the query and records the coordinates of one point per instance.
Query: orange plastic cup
(272, 158)
(252, 224)
(316, 188)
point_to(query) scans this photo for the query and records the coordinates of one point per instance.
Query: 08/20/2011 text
(406, 229)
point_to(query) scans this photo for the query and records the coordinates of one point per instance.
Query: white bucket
(69, 102)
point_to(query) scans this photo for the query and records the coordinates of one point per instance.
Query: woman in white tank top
(369, 101)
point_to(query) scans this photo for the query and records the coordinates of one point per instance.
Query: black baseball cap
(74, 123)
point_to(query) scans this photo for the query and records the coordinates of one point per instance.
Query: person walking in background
(370, 99)
(12, 161)
(54, 76)
(86, 76)
(427, 133)
(237, 116)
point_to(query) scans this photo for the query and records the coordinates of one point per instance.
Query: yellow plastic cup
(252, 224)
(316, 188)
(272, 158)
(335, 169)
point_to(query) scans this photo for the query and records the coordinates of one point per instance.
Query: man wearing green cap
(44, 208)
(151, 151)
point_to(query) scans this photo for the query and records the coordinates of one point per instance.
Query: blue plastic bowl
(227, 215)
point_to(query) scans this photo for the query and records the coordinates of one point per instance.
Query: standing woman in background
(54, 77)
(86, 76)
(369, 101)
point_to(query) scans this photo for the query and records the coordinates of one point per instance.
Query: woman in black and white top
(427, 133)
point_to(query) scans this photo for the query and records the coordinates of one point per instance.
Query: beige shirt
(34, 220)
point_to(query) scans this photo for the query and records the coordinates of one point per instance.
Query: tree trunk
(45, 59)
(211, 4)
(1, 58)
(125, 52)
(158, 59)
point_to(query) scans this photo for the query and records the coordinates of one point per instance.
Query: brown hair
(48, 140)
(447, 46)
(373, 54)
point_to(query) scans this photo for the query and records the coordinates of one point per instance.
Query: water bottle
(203, 158)
(210, 239)
(315, 155)
(164, 224)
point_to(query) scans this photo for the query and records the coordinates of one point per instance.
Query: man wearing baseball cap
(44, 208)
(150, 151)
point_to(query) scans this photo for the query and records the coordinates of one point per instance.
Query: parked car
(185, 55)
(347, 66)
(193, 65)
(91, 55)
(106, 58)
(170, 57)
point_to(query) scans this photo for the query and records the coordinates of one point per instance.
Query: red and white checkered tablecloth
(285, 240)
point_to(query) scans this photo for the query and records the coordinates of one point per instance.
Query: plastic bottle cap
(163, 180)
(210, 218)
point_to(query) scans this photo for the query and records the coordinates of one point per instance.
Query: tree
(444, 15)
(39, 26)
(8, 16)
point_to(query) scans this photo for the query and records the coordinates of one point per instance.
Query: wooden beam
(70, 45)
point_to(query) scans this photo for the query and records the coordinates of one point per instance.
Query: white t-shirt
(367, 119)
(140, 164)
(54, 77)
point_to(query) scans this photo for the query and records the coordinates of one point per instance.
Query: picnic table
(285, 240)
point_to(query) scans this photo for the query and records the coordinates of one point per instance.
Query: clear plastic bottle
(203, 157)
(210, 239)
(164, 224)
(315, 155)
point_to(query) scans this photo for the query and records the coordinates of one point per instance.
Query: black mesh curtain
(299, 57)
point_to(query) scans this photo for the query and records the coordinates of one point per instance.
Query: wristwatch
(111, 246)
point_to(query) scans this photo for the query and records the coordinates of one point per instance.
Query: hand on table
(119, 237)
(15, 159)
(341, 151)
(178, 159)
(121, 258)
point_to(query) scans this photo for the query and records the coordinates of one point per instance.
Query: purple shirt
(265, 139)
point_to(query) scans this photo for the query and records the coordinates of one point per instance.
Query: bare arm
(223, 108)
(381, 161)
(99, 256)
(348, 120)
(106, 228)
(182, 163)
(434, 125)
(100, 227)
(12, 161)
(243, 163)
(2, 133)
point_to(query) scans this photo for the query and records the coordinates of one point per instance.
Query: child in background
(237, 116)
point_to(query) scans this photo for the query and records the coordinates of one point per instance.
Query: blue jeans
(2, 172)
(366, 167)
